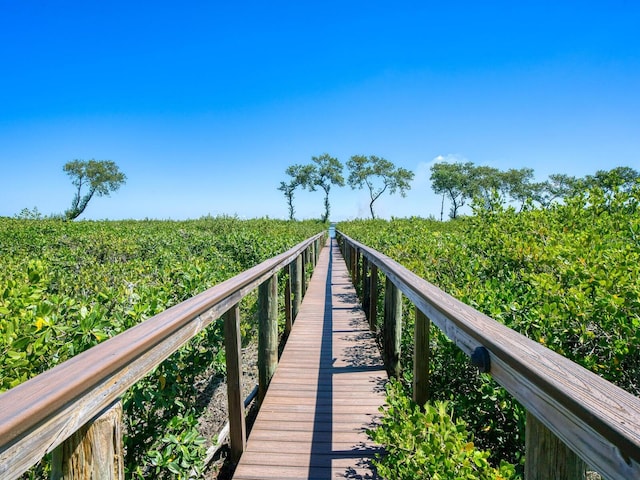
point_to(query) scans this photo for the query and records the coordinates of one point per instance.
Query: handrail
(39, 414)
(599, 421)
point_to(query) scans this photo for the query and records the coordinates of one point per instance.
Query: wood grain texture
(267, 333)
(421, 356)
(392, 328)
(94, 451)
(38, 415)
(235, 402)
(594, 418)
(326, 391)
(547, 457)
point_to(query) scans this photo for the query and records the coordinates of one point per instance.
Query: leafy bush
(66, 286)
(429, 444)
(566, 277)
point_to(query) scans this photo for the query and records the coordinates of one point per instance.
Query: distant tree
(518, 184)
(379, 175)
(558, 186)
(622, 178)
(454, 181)
(29, 214)
(91, 177)
(300, 176)
(327, 171)
(486, 184)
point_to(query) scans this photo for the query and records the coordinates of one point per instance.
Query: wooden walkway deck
(325, 392)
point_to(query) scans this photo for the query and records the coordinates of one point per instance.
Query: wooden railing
(78, 400)
(569, 409)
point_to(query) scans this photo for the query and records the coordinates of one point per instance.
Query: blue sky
(203, 105)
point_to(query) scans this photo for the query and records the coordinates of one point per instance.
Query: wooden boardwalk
(325, 392)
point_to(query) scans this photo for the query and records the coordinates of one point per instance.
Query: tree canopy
(327, 171)
(299, 176)
(489, 186)
(452, 180)
(91, 177)
(379, 175)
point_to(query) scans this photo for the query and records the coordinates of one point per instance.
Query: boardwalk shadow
(349, 299)
(360, 354)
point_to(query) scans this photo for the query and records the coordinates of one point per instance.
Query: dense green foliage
(427, 443)
(566, 276)
(66, 286)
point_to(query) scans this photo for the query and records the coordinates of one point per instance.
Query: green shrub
(429, 444)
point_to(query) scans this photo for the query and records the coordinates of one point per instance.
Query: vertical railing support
(235, 402)
(296, 272)
(421, 355)
(267, 333)
(547, 456)
(305, 257)
(353, 261)
(366, 286)
(345, 253)
(93, 451)
(392, 328)
(288, 305)
(373, 303)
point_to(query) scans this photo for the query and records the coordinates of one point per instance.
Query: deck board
(326, 391)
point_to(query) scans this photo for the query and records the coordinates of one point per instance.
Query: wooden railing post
(373, 302)
(93, 451)
(267, 333)
(392, 328)
(288, 305)
(295, 271)
(547, 457)
(235, 402)
(345, 253)
(353, 261)
(366, 286)
(364, 271)
(421, 355)
(304, 272)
